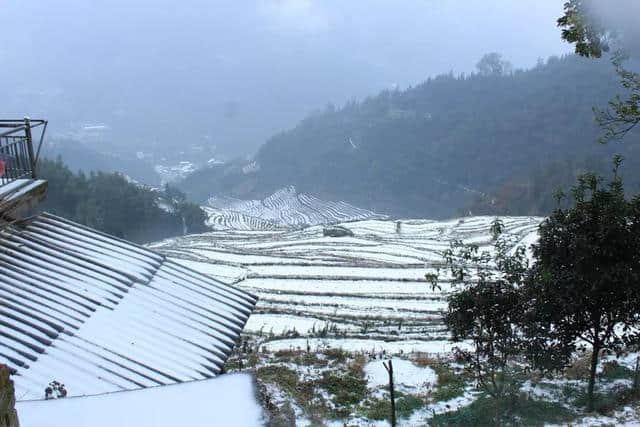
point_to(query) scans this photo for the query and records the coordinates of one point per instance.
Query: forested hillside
(78, 156)
(108, 202)
(494, 141)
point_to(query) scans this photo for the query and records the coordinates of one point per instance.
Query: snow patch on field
(224, 273)
(366, 345)
(407, 376)
(280, 324)
(228, 400)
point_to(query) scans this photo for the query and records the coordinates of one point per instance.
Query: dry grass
(579, 369)
(424, 360)
(356, 367)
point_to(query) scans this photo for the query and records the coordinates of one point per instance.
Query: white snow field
(407, 376)
(283, 208)
(228, 400)
(100, 314)
(366, 292)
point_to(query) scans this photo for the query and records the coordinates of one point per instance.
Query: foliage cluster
(583, 26)
(581, 290)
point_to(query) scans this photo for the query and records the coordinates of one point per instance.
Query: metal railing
(17, 157)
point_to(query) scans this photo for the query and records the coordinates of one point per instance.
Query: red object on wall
(2, 167)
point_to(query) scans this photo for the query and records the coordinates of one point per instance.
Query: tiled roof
(101, 314)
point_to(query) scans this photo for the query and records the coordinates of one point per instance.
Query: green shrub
(232, 365)
(377, 409)
(336, 354)
(285, 355)
(310, 359)
(407, 405)
(605, 402)
(312, 402)
(347, 389)
(615, 371)
(450, 384)
(380, 409)
(538, 412)
(282, 376)
(518, 410)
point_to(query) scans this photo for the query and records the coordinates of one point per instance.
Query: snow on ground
(366, 293)
(626, 417)
(409, 274)
(331, 287)
(279, 324)
(407, 376)
(371, 287)
(228, 400)
(224, 273)
(366, 345)
(362, 294)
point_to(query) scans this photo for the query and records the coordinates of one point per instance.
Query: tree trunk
(636, 374)
(592, 376)
(389, 367)
(8, 414)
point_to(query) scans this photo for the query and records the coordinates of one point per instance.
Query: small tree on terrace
(485, 308)
(584, 288)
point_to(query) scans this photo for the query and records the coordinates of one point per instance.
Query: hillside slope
(432, 149)
(282, 209)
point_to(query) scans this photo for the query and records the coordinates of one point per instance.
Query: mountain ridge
(434, 149)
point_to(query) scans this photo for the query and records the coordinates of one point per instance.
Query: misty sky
(231, 73)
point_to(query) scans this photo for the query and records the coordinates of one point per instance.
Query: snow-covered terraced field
(348, 291)
(283, 208)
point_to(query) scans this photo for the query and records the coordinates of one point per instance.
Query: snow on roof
(101, 314)
(228, 400)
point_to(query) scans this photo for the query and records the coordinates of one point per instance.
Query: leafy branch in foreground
(621, 115)
(581, 26)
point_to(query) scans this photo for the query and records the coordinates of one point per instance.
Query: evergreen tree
(583, 287)
(485, 307)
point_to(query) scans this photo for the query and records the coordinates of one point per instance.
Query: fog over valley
(161, 75)
(279, 213)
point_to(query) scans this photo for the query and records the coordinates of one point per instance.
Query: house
(93, 312)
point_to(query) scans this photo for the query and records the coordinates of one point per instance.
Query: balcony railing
(17, 156)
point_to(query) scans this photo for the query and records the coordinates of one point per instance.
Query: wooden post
(32, 159)
(8, 414)
(389, 367)
(636, 374)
